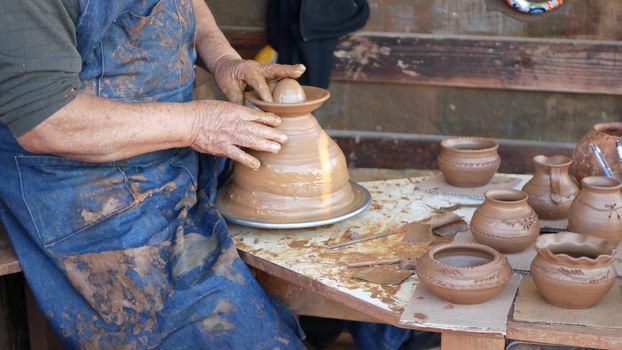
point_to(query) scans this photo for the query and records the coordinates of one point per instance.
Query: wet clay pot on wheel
(603, 135)
(465, 273)
(597, 210)
(551, 190)
(573, 271)
(505, 221)
(307, 180)
(468, 161)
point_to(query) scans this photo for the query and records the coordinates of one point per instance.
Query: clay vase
(464, 273)
(307, 180)
(551, 190)
(603, 135)
(573, 271)
(597, 210)
(505, 221)
(468, 161)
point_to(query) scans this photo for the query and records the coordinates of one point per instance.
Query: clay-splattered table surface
(302, 256)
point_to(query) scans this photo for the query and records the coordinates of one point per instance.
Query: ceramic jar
(468, 161)
(464, 273)
(603, 135)
(573, 271)
(597, 210)
(551, 190)
(307, 180)
(505, 221)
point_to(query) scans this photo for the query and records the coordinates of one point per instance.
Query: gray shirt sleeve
(39, 61)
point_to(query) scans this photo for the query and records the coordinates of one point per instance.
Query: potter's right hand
(221, 128)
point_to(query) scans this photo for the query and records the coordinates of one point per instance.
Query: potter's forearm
(96, 129)
(211, 42)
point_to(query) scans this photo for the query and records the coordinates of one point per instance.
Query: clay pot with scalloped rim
(505, 221)
(468, 161)
(573, 271)
(463, 273)
(551, 190)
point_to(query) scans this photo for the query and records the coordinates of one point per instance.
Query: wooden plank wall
(469, 67)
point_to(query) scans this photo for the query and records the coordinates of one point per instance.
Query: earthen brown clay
(573, 271)
(307, 180)
(505, 221)
(551, 190)
(468, 161)
(597, 210)
(465, 273)
(603, 135)
(288, 91)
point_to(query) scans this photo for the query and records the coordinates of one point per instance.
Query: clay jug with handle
(551, 190)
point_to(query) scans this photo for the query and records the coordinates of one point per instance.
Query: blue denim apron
(133, 254)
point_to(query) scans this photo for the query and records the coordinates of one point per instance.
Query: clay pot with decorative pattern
(551, 190)
(603, 135)
(468, 161)
(464, 273)
(597, 210)
(505, 221)
(573, 271)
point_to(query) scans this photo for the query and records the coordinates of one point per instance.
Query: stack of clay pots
(307, 180)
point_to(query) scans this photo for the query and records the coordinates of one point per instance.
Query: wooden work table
(296, 266)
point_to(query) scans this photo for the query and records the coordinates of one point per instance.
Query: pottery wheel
(362, 201)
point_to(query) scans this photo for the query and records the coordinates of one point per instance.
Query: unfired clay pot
(573, 271)
(464, 273)
(604, 135)
(468, 161)
(597, 210)
(505, 221)
(551, 190)
(307, 180)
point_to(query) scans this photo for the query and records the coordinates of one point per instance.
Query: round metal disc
(362, 202)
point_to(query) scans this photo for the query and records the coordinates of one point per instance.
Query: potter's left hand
(233, 75)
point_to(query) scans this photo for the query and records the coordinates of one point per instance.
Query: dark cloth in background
(306, 31)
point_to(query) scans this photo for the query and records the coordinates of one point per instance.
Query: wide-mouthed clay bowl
(465, 273)
(468, 161)
(573, 271)
(505, 221)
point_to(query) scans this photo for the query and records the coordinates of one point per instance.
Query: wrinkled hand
(221, 128)
(233, 75)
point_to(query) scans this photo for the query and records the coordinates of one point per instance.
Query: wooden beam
(579, 336)
(403, 151)
(462, 341)
(484, 62)
(580, 66)
(305, 302)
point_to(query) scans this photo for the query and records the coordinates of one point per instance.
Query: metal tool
(364, 239)
(600, 157)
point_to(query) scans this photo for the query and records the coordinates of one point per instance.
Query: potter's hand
(221, 128)
(233, 75)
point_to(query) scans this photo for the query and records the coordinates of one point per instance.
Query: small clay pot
(603, 135)
(597, 210)
(468, 161)
(505, 221)
(465, 273)
(573, 271)
(551, 190)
